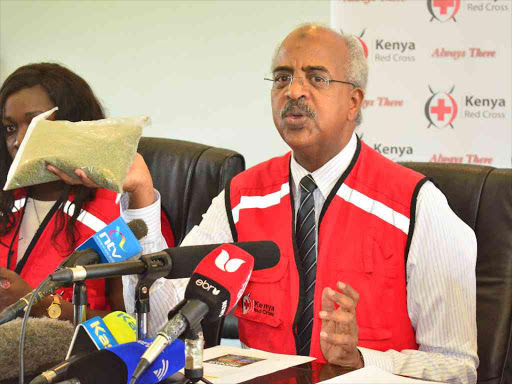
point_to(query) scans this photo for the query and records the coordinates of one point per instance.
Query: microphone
(117, 241)
(92, 251)
(115, 365)
(179, 262)
(94, 334)
(57, 372)
(45, 345)
(12, 311)
(214, 288)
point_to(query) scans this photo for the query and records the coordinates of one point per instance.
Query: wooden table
(309, 373)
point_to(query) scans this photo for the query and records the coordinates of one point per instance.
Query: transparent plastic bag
(103, 149)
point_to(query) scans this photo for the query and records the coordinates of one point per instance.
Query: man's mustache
(299, 104)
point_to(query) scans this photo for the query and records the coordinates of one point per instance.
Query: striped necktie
(306, 243)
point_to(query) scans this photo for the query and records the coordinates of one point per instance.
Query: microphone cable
(24, 328)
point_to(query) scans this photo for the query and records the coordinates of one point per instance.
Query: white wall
(195, 67)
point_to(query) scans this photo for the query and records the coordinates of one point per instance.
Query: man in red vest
(375, 267)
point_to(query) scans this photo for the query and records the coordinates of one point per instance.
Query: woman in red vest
(42, 224)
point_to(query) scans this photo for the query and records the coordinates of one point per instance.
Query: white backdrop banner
(440, 82)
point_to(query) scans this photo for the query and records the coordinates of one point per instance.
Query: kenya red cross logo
(247, 304)
(441, 109)
(443, 10)
(363, 44)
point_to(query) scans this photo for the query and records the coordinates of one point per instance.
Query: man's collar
(327, 175)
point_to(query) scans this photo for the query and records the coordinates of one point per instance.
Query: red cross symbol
(440, 110)
(444, 5)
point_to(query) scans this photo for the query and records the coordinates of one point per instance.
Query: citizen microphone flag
(115, 365)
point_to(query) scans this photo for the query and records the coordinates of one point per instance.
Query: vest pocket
(260, 302)
(375, 306)
(374, 278)
(254, 310)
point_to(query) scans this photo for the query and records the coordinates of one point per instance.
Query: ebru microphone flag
(116, 242)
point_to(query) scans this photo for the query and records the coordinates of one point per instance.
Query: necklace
(37, 213)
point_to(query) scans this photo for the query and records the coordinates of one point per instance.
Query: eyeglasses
(284, 80)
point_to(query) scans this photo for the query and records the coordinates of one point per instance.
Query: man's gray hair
(356, 69)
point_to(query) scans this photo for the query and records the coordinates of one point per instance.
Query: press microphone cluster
(94, 334)
(90, 252)
(179, 262)
(216, 285)
(105, 351)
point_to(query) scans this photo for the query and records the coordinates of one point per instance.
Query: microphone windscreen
(122, 326)
(220, 279)
(116, 365)
(139, 228)
(185, 259)
(46, 343)
(266, 253)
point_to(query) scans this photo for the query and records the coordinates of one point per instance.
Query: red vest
(44, 257)
(365, 227)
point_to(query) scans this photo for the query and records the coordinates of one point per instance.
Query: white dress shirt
(162, 294)
(35, 213)
(441, 289)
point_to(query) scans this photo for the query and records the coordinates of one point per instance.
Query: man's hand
(12, 287)
(138, 182)
(339, 334)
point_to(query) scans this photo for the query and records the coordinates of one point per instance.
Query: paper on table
(223, 364)
(373, 375)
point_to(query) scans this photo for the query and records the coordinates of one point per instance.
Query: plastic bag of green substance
(103, 149)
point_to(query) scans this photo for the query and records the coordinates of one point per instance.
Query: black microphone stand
(79, 288)
(157, 266)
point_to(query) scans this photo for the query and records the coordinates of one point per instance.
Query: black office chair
(188, 176)
(482, 198)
